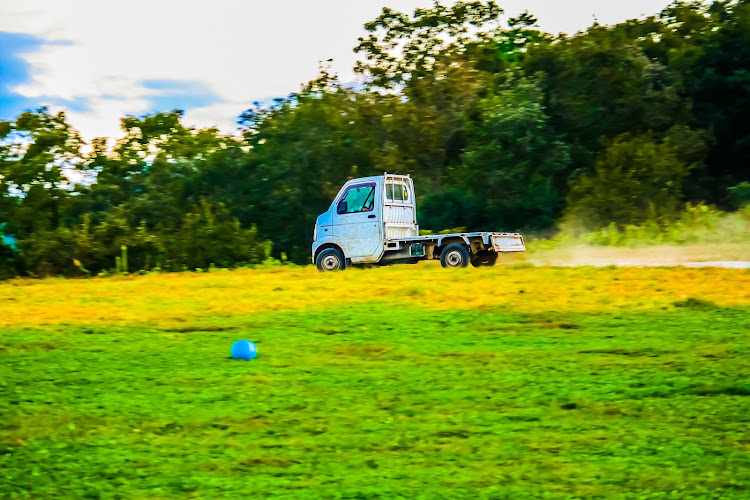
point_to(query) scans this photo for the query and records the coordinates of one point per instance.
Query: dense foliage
(503, 127)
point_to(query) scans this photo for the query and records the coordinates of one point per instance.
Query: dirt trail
(729, 256)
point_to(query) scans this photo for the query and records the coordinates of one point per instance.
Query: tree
(439, 61)
(636, 178)
(35, 152)
(403, 48)
(601, 83)
(514, 162)
(712, 54)
(301, 151)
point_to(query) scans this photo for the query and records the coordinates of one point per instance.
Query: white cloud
(556, 16)
(240, 50)
(222, 115)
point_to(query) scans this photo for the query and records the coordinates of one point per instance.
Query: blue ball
(244, 349)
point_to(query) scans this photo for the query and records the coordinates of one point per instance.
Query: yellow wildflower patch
(169, 299)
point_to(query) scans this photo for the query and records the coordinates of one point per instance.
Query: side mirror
(343, 207)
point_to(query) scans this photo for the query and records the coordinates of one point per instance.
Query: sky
(101, 60)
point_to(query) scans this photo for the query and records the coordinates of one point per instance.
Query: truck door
(357, 222)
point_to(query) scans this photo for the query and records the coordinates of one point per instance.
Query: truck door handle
(371, 216)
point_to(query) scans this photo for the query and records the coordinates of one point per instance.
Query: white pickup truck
(373, 220)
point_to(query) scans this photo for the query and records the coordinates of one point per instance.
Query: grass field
(405, 382)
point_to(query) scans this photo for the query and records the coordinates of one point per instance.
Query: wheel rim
(330, 263)
(454, 258)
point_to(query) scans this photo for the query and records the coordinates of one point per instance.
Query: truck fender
(329, 243)
(466, 240)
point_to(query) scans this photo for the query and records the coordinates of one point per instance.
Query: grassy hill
(403, 382)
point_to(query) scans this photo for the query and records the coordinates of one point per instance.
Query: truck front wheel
(330, 259)
(454, 255)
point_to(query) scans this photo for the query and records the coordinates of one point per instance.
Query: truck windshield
(359, 198)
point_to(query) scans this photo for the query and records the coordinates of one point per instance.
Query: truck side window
(360, 198)
(396, 192)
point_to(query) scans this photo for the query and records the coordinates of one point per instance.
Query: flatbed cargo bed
(501, 242)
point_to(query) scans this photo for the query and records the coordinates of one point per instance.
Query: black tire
(330, 259)
(454, 255)
(484, 258)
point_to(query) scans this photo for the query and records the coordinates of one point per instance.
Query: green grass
(382, 401)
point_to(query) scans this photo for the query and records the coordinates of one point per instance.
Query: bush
(694, 224)
(739, 195)
(636, 179)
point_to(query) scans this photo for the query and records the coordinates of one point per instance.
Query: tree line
(503, 127)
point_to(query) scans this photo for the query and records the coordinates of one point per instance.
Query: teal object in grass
(244, 349)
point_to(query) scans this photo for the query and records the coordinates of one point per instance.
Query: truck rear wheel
(484, 258)
(330, 259)
(454, 255)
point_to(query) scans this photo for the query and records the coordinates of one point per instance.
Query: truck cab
(373, 220)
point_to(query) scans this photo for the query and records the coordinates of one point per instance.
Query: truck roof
(377, 177)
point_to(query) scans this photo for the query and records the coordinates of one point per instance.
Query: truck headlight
(315, 233)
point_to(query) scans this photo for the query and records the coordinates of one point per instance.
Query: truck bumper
(315, 246)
